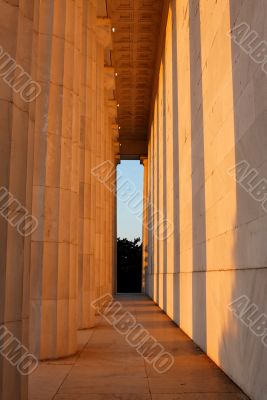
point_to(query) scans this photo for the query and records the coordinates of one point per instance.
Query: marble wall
(210, 115)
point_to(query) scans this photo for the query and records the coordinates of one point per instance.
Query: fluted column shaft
(145, 229)
(86, 280)
(16, 137)
(55, 183)
(105, 118)
(108, 204)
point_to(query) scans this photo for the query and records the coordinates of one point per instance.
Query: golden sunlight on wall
(210, 114)
(161, 175)
(185, 167)
(219, 156)
(169, 88)
(155, 205)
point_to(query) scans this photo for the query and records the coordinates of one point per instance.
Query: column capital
(104, 33)
(117, 159)
(143, 160)
(115, 132)
(117, 147)
(109, 77)
(112, 108)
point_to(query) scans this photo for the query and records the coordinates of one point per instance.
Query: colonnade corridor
(181, 87)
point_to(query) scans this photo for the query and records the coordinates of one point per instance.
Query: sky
(130, 175)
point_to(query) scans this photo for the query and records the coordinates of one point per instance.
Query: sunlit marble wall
(210, 114)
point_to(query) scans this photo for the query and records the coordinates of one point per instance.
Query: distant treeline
(129, 262)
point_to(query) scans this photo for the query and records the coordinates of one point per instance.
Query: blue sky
(130, 178)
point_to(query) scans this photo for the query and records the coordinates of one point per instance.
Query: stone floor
(108, 368)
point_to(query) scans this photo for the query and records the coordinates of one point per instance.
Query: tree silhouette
(129, 265)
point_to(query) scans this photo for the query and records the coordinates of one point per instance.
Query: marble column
(111, 214)
(98, 161)
(104, 43)
(116, 152)
(145, 277)
(109, 188)
(92, 141)
(86, 278)
(54, 258)
(150, 265)
(106, 256)
(16, 126)
(111, 117)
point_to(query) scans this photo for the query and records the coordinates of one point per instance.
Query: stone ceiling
(135, 47)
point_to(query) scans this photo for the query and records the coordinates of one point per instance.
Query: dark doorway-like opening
(129, 261)
(129, 226)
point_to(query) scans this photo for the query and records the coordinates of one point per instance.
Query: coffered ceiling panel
(137, 27)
